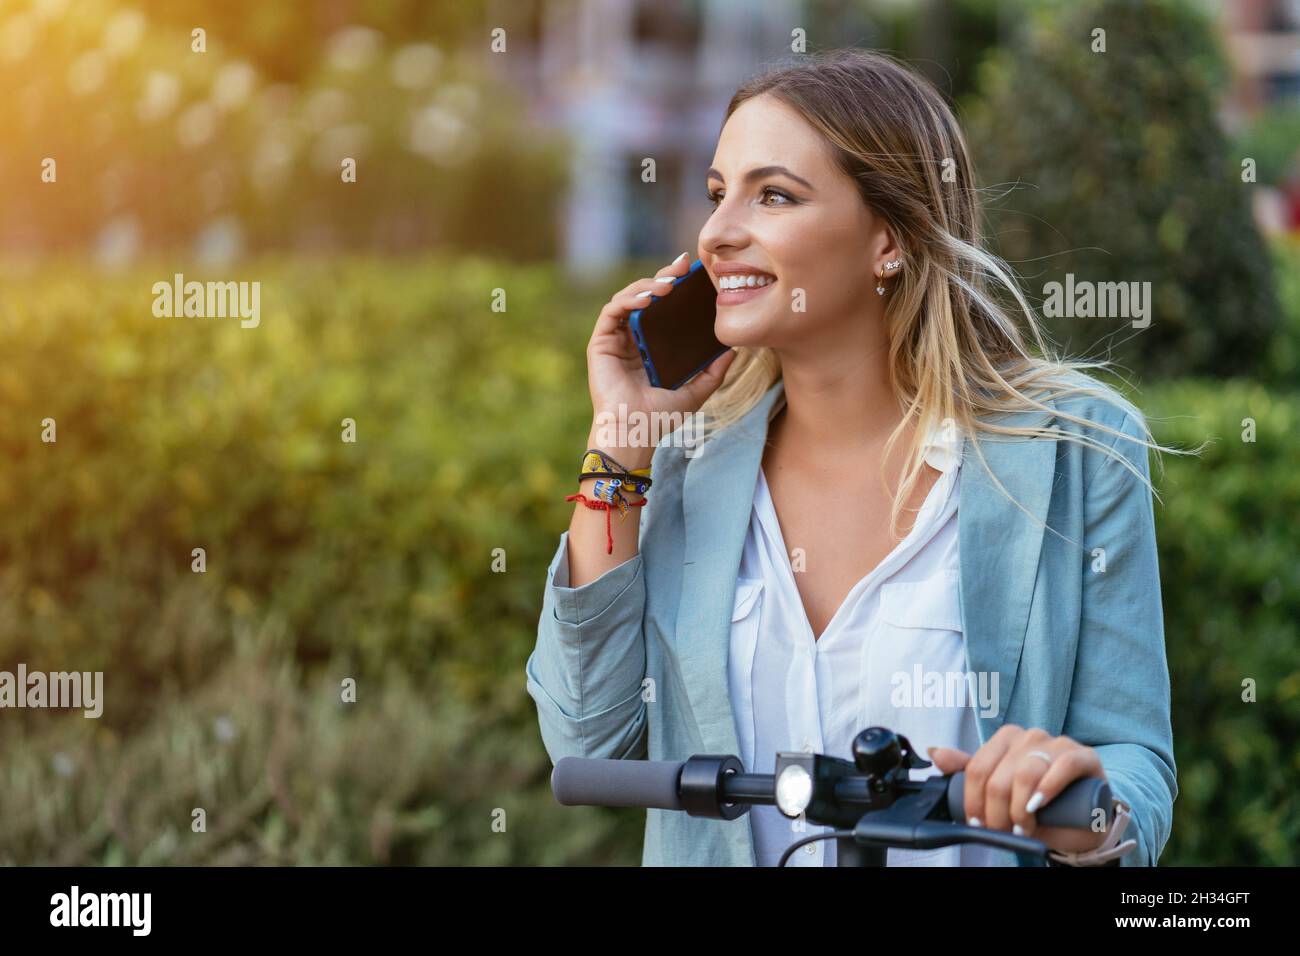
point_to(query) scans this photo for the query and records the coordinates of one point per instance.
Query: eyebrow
(761, 172)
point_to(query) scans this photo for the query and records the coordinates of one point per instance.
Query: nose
(724, 230)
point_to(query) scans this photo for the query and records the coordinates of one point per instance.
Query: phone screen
(675, 332)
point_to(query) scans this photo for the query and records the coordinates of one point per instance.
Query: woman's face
(813, 232)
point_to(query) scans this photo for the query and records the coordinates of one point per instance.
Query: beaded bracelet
(595, 460)
(611, 480)
(629, 483)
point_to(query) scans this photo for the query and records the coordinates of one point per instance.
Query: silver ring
(1039, 753)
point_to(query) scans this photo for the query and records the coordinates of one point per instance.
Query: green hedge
(324, 560)
(373, 560)
(1230, 574)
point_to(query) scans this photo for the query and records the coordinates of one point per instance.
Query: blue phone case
(634, 322)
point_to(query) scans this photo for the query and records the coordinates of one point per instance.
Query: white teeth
(746, 281)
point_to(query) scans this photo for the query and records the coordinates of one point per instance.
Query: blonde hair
(955, 350)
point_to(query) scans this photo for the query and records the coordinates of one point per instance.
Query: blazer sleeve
(1120, 698)
(586, 671)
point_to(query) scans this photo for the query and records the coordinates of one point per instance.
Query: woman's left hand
(1007, 779)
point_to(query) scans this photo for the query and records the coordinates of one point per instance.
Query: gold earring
(880, 282)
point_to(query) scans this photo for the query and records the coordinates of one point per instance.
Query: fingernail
(642, 295)
(681, 257)
(975, 822)
(1018, 830)
(665, 279)
(1034, 803)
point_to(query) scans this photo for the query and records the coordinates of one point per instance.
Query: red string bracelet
(598, 505)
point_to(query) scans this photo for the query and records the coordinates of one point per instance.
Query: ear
(887, 251)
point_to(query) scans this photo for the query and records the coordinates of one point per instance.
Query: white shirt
(899, 627)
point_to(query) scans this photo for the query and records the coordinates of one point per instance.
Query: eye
(715, 198)
(785, 199)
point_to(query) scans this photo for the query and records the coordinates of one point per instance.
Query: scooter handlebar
(579, 781)
(1075, 806)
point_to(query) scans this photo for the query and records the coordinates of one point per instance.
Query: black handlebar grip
(584, 781)
(1075, 806)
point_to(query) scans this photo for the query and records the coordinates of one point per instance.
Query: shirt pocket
(745, 613)
(748, 591)
(918, 639)
(932, 604)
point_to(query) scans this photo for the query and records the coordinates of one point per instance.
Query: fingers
(1070, 761)
(1008, 781)
(613, 317)
(980, 768)
(1022, 773)
(609, 335)
(1001, 781)
(948, 760)
(677, 268)
(636, 295)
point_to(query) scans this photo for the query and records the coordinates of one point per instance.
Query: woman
(800, 575)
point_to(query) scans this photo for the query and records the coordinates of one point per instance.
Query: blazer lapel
(717, 498)
(999, 550)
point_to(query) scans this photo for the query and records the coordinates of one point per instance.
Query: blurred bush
(325, 560)
(1126, 177)
(328, 560)
(1282, 362)
(283, 38)
(1230, 574)
(944, 39)
(1273, 140)
(238, 150)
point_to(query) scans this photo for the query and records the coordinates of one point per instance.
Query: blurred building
(635, 80)
(631, 81)
(1263, 42)
(1262, 38)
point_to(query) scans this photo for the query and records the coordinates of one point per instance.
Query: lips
(739, 296)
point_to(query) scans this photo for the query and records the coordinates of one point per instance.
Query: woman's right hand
(615, 373)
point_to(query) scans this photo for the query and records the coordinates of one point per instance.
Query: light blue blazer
(1079, 651)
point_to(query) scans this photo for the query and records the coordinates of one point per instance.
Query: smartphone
(675, 331)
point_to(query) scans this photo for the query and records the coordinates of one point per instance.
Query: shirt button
(810, 848)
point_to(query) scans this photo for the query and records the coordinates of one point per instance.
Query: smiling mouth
(745, 280)
(743, 293)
